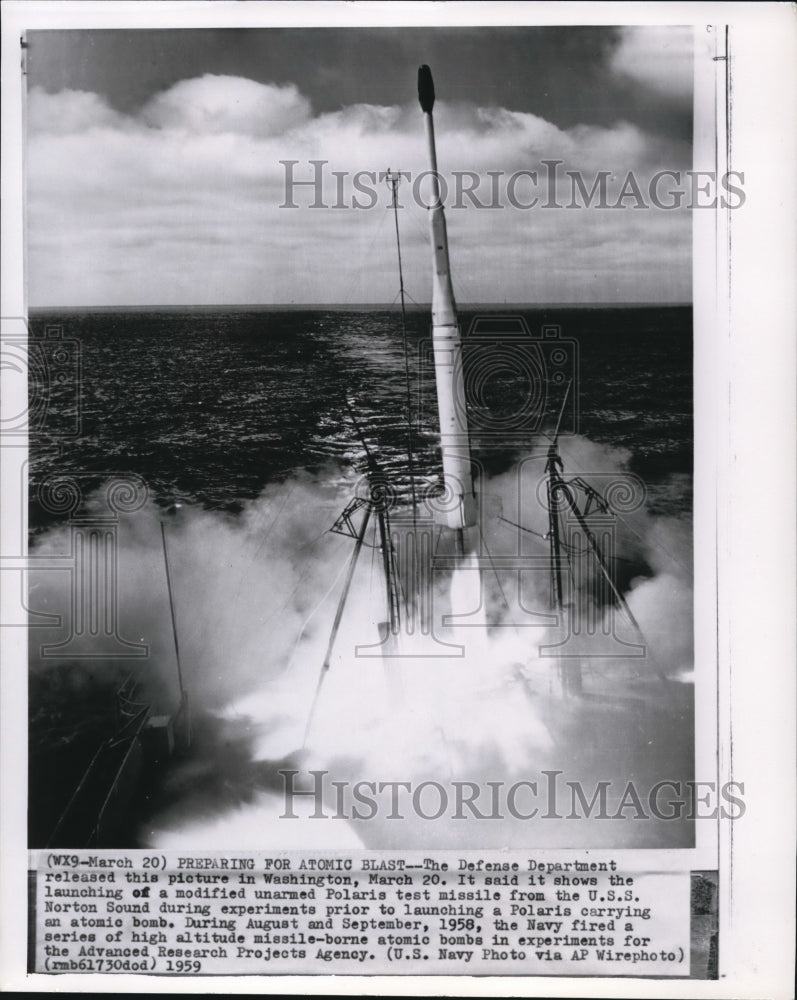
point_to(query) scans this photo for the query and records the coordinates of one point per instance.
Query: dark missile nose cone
(425, 89)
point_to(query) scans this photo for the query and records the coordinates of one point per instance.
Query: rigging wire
(266, 536)
(171, 610)
(357, 276)
(569, 560)
(299, 582)
(565, 545)
(500, 585)
(393, 181)
(352, 564)
(373, 547)
(646, 541)
(600, 574)
(306, 622)
(209, 621)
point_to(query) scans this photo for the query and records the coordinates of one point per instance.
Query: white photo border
(744, 420)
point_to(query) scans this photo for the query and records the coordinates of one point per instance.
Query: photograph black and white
(387, 475)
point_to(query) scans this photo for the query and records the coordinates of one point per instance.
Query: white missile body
(460, 501)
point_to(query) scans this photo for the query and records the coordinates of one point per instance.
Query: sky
(154, 173)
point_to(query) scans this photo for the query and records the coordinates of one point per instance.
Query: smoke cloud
(255, 595)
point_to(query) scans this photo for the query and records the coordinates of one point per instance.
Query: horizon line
(357, 306)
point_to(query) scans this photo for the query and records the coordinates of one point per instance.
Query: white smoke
(255, 595)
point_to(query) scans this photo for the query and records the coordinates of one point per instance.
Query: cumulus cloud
(660, 58)
(180, 203)
(215, 104)
(70, 111)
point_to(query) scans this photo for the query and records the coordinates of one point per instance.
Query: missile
(460, 501)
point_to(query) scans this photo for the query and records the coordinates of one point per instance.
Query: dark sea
(208, 406)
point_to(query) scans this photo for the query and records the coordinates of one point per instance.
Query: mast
(563, 496)
(393, 182)
(378, 503)
(553, 467)
(454, 440)
(358, 544)
(569, 669)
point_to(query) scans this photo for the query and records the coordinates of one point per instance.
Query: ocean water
(210, 406)
(247, 418)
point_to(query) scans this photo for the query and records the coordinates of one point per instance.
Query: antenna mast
(393, 181)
